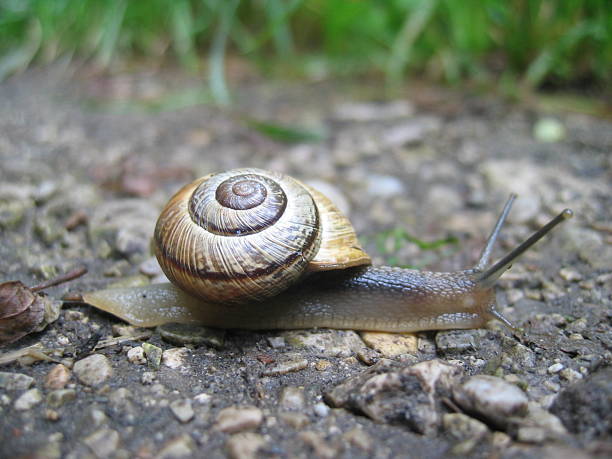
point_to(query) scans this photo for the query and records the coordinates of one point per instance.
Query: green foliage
(531, 41)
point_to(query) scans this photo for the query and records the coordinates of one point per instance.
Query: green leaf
(285, 133)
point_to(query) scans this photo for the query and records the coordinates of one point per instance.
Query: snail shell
(246, 234)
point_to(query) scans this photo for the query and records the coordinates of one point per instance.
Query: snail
(254, 249)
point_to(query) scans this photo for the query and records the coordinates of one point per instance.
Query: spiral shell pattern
(238, 236)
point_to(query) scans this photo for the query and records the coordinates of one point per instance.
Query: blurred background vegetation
(530, 44)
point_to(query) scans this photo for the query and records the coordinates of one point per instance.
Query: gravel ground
(86, 164)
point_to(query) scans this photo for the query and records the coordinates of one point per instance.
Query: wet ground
(88, 161)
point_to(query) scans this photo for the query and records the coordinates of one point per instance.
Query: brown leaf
(14, 299)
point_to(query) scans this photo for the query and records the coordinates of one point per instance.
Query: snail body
(253, 249)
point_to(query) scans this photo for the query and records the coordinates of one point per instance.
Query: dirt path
(84, 174)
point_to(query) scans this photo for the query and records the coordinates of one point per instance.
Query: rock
(570, 375)
(15, 381)
(175, 357)
(277, 342)
(28, 399)
(103, 443)
(391, 344)
(295, 420)
(320, 447)
(326, 343)
(137, 356)
(93, 370)
(182, 334)
(59, 397)
(555, 368)
(457, 341)
(321, 409)
(384, 186)
(548, 130)
(125, 224)
(244, 445)
(153, 355)
(178, 447)
(322, 365)
(287, 364)
(537, 426)
(182, 410)
(360, 439)
(236, 419)
(491, 398)
(292, 398)
(58, 377)
(463, 427)
(388, 393)
(585, 406)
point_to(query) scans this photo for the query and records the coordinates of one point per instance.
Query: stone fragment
(137, 356)
(93, 370)
(292, 398)
(295, 420)
(59, 397)
(585, 406)
(103, 443)
(321, 409)
(182, 409)
(237, 419)
(287, 364)
(181, 334)
(15, 381)
(178, 447)
(360, 439)
(326, 343)
(463, 427)
(175, 357)
(28, 400)
(491, 398)
(391, 344)
(58, 377)
(319, 445)
(244, 445)
(322, 365)
(153, 354)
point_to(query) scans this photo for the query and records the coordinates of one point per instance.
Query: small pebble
(292, 398)
(360, 439)
(318, 444)
(570, 275)
(58, 377)
(463, 427)
(15, 381)
(391, 344)
(244, 445)
(182, 409)
(59, 397)
(175, 357)
(491, 398)
(237, 419)
(51, 415)
(548, 130)
(103, 443)
(555, 368)
(277, 342)
(178, 447)
(137, 356)
(28, 399)
(321, 409)
(203, 398)
(570, 375)
(295, 420)
(148, 377)
(322, 365)
(153, 354)
(288, 364)
(93, 370)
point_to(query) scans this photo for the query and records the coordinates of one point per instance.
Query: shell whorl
(238, 236)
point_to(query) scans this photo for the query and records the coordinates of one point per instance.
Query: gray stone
(326, 343)
(286, 364)
(28, 400)
(237, 419)
(491, 398)
(292, 398)
(153, 354)
(463, 427)
(244, 445)
(59, 397)
(93, 370)
(182, 409)
(175, 357)
(178, 447)
(15, 381)
(103, 443)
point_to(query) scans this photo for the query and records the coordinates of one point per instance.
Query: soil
(88, 160)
